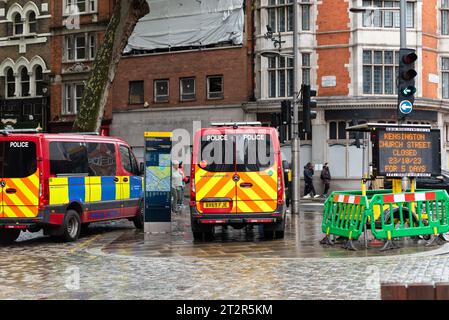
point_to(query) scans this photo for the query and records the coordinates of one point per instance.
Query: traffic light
(406, 80)
(275, 120)
(307, 104)
(286, 112)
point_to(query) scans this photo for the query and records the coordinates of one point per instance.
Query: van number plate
(216, 205)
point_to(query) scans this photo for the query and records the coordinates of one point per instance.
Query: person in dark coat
(309, 190)
(326, 178)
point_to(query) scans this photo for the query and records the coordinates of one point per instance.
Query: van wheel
(138, 219)
(274, 231)
(71, 226)
(9, 235)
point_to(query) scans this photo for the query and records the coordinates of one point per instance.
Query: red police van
(62, 182)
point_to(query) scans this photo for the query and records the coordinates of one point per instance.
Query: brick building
(162, 88)
(25, 63)
(351, 60)
(77, 27)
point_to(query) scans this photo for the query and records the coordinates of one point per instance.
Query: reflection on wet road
(114, 261)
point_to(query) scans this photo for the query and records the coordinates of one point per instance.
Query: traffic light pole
(403, 40)
(295, 129)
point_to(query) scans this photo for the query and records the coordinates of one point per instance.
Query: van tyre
(71, 226)
(9, 235)
(202, 232)
(138, 219)
(274, 230)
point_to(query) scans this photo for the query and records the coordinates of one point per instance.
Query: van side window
(128, 160)
(68, 158)
(101, 157)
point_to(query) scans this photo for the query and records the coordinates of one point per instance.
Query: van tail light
(44, 194)
(192, 187)
(280, 186)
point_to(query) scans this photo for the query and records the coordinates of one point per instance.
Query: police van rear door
(215, 172)
(19, 177)
(256, 169)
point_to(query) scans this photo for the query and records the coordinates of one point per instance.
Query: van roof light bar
(236, 124)
(5, 132)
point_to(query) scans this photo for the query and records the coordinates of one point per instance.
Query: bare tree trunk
(95, 96)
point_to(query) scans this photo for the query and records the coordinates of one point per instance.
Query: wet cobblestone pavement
(113, 261)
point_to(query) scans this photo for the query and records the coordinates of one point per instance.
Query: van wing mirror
(142, 168)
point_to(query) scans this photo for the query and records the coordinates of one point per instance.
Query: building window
(25, 82)
(445, 17)
(280, 77)
(10, 83)
(305, 15)
(445, 77)
(32, 22)
(187, 89)
(337, 130)
(305, 68)
(379, 71)
(215, 87)
(161, 90)
(18, 24)
(73, 93)
(39, 80)
(80, 47)
(387, 19)
(136, 92)
(280, 15)
(84, 6)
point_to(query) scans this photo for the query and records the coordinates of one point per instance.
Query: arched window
(32, 22)
(39, 78)
(25, 82)
(10, 83)
(18, 24)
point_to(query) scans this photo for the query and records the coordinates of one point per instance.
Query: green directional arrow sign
(408, 91)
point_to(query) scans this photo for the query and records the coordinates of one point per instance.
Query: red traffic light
(410, 58)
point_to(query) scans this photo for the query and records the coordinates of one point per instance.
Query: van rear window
(217, 155)
(17, 159)
(241, 152)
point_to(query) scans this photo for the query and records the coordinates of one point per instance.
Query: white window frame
(210, 94)
(7, 83)
(181, 89)
(71, 47)
(277, 7)
(377, 18)
(444, 12)
(70, 91)
(287, 69)
(15, 24)
(306, 68)
(444, 72)
(90, 5)
(383, 65)
(161, 98)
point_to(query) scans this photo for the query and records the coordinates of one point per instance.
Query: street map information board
(158, 178)
(406, 152)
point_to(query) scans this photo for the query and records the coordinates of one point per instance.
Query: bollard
(421, 291)
(393, 291)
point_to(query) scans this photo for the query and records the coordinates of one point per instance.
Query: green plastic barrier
(345, 214)
(409, 214)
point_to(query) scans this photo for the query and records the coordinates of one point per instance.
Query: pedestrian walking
(287, 182)
(326, 178)
(176, 186)
(309, 190)
(184, 181)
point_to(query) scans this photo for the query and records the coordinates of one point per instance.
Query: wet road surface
(114, 261)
